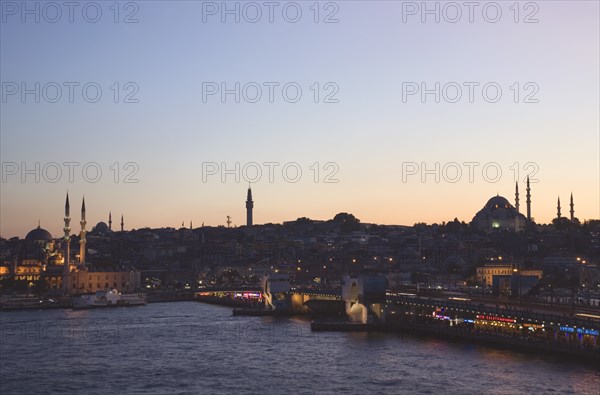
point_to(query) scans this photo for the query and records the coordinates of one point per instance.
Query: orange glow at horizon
(401, 205)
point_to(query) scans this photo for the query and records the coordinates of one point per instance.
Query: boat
(110, 298)
(18, 302)
(28, 302)
(132, 299)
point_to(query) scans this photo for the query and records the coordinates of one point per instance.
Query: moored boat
(108, 298)
(132, 299)
(18, 302)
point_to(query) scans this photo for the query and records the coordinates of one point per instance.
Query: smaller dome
(38, 234)
(101, 227)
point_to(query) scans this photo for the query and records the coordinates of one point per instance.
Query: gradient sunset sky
(369, 133)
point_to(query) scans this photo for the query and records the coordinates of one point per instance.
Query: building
(44, 259)
(485, 274)
(79, 278)
(90, 281)
(34, 259)
(515, 284)
(499, 214)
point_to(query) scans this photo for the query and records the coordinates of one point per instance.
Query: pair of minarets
(82, 233)
(571, 211)
(110, 222)
(67, 242)
(528, 201)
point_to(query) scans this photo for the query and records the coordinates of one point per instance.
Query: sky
(152, 110)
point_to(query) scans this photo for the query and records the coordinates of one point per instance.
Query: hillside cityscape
(558, 260)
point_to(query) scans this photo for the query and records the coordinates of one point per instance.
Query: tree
(304, 221)
(562, 223)
(347, 222)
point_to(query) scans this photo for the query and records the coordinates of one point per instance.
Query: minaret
(517, 196)
(67, 240)
(191, 225)
(572, 211)
(109, 220)
(558, 208)
(249, 207)
(528, 201)
(82, 240)
(122, 223)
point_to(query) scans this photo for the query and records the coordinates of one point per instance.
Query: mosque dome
(498, 213)
(498, 202)
(101, 227)
(38, 234)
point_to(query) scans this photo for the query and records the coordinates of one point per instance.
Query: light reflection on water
(189, 347)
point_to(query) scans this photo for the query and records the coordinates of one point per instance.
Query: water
(193, 348)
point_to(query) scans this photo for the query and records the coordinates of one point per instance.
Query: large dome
(38, 234)
(498, 213)
(497, 202)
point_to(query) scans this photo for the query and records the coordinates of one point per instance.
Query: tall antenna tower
(228, 221)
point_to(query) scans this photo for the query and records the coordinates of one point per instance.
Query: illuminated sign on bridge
(582, 331)
(495, 318)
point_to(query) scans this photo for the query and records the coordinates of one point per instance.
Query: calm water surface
(193, 348)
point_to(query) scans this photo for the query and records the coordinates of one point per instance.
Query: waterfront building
(54, 263)
(79, 278)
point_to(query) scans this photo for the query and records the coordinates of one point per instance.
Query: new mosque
(51, 260)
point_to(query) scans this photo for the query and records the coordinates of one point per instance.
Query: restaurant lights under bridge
(578, 331)
(253, 296)
(521, 328)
